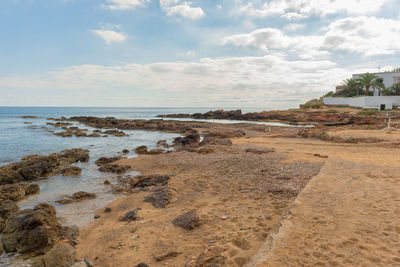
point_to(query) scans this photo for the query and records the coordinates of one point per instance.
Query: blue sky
(212, 53)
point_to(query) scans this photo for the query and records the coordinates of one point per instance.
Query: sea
(26, 136)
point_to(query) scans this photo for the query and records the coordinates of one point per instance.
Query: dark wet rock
(107, 182)
(124, 124)
(7, 208)
(160, 197)
(107, 210)
(70, 233)
(164, 250)
(259, 151)
(187, 221)
(71, 171)
(29, 117)
(115, 132)
(141, 150)
(162, 143)
(18, 191)
(31, 231)
(130, 216)
(59, 124)
(61, 255)
(93, 135)
(149, 180)
(115, 168)
(27, 122)
(76, 197)
(155, 152)
(96, 216)
(104, 160)
(320, 156)
(191, 140)
(125, 151)
(39, 167)
(142, 264)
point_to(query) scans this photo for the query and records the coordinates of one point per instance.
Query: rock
(215, 139)
(96, 216)
(18, 191)
(155, 151)
(115, 133)
(28, 117)
(162, 143)
(212, 256)
(7, 208)
(142, 264)
(191, 140)
(94, 135)
(80, 264)
(141, 150)
(320, 156)
(187, 221)
(38, 167)
(76, 197)
(149, 180)
(31, 231)
(130, 216)
(71, 171)
(115, 168)
(259, 151)
(107, 210)
(61, 255)
(125, 151)
(104, 160)
(164, 250)
(70, 233)
(160, 197)
(107, 182)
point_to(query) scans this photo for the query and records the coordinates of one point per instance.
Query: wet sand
(261, 209)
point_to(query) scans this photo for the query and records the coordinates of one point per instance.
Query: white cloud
(298, 9)
(110, 36)
(183, 9)
(240, 81)
(125, 4)
(191, 53)
(367, 36)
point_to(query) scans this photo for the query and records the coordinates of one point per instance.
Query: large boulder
(61, 255)
(191, 140)
(31, 231)
(38, 167)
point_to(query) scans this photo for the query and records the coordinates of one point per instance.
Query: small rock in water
(125, 151)
(107, 210)
(107, 182)
(96, 216)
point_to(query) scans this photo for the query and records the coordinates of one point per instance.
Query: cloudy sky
(208, 53)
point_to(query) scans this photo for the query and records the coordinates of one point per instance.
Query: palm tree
(368, 80)
(353, 85)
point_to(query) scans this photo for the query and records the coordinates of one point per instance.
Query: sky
(272, 54)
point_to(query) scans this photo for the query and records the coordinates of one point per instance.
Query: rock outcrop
(76, 197)
(38, 167)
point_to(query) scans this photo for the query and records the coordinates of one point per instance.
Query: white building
(389, 79)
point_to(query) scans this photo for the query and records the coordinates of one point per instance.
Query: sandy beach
(284, 202)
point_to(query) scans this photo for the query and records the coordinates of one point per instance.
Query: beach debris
(130, 216)
(188, 221)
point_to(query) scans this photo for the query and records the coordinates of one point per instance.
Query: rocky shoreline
(210, 198)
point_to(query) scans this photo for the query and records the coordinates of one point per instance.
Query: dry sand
(347, 215)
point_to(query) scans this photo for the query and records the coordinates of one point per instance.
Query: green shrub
(367, 112)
